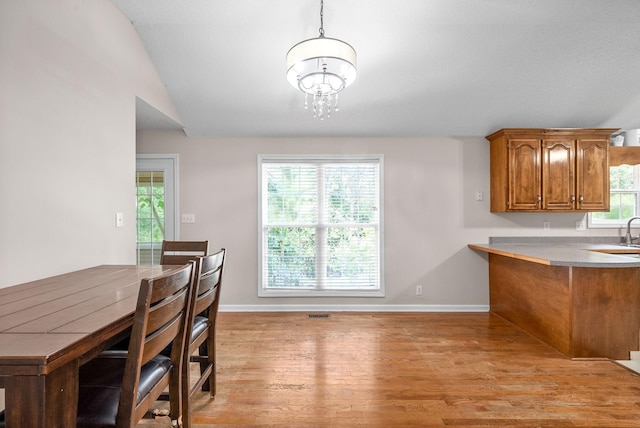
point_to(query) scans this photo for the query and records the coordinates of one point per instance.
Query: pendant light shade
(324, 64)
(321, 68)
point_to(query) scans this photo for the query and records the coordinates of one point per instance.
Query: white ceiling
(426, 68)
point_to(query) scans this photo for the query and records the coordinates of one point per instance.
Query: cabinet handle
(539, 199)
(581, 198)
(573, 198)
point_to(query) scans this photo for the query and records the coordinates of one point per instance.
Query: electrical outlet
(479, 196)
(581, 225)
(418, 290)
(546, 225)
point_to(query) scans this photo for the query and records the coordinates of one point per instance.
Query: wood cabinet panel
(534, 297)
(558, 174)
(592, 183)
(605, 312)
(524, 173)
(580, 311)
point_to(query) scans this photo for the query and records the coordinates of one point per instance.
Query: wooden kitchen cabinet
(561, 170)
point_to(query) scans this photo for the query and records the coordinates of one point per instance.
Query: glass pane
(158, 201)
(144, 230)
(628, 204)
(352, 255)
(291, 257)
(350, 192)
(144, 190)
(621, 177)
(144, 206)
(292, 194)
(614, 209)
(157, 230)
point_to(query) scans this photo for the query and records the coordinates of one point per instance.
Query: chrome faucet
(628, 239)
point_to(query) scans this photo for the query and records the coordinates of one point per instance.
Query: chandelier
(321, 68)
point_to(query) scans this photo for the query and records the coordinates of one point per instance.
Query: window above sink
(624, 183)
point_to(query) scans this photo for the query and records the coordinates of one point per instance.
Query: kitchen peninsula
(580, 297)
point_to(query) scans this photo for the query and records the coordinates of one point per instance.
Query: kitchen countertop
(554, 253)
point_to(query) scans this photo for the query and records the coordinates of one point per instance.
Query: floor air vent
(318, 315)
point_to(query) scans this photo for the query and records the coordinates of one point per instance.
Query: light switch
(119, 219)
(188, 218)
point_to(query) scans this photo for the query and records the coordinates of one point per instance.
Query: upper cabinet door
(558, 174)
(524, 174)
(592, 178)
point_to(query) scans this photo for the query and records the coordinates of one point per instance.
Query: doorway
(156, 205)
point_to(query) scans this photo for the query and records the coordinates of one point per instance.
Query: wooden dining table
(50, 327)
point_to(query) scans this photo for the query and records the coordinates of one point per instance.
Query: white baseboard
(354, 308)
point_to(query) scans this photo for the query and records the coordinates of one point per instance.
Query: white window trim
(263, 292)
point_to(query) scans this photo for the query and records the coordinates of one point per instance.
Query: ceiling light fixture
(321, 68)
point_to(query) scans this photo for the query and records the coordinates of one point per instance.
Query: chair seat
(100, 380)
(200, 325)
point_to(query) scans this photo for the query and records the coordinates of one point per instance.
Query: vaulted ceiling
(426, 68)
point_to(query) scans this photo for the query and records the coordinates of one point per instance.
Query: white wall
(430, 215)
(70, 71)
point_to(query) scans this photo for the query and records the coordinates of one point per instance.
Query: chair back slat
(160, 338)
(181, 252)
(167, 286)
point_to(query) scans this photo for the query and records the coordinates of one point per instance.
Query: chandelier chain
(321, 18)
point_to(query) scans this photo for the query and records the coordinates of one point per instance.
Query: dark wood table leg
(56, 393)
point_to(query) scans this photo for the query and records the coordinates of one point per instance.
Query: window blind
(320, 224)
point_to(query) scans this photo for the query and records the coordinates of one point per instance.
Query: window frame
(622, 223)
(315, 158)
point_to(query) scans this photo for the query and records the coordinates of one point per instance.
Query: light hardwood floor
(384, 370)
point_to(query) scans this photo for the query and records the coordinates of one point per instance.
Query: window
(320, 225)
(624, 183)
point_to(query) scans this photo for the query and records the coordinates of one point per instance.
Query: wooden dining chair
(205, 310)
(117, 388)
(181, 252)
(202, 345)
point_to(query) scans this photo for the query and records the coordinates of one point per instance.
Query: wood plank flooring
(397, 370)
